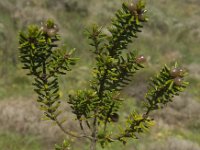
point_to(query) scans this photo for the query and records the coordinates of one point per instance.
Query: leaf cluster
(98, 106)
(64, 146)
(44, 61)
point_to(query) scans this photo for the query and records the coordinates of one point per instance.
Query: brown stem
(94, 134)
(81, 126)
(95, 128)
(107, 117)
(70, 133)
(88, 124)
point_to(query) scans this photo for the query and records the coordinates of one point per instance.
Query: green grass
(15, 141)
(15, 83)
(192, 135)
(194, 87)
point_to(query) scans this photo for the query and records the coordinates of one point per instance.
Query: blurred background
(172, 34)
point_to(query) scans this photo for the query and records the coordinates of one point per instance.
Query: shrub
(97, 107)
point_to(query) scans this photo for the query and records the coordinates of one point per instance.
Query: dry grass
(173, 143)
(24, 116)
(182, 111)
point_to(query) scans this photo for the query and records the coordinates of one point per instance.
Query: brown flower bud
(174, 72)
(181, 72)
(141, 17)
(56, 27)
(51, 32)
(132, 8)
(114, 117)
(177, 72)
(43, 29)
(140, 59)
(178, 81)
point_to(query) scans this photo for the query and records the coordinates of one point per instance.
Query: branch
(107, 117)
(70, 133)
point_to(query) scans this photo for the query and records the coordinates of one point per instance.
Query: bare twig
(71, 133)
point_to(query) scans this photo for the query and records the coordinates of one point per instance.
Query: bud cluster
(49, 29)
(177, 74)
(137, 11)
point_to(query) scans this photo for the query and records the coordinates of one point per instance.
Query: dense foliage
(98, 106)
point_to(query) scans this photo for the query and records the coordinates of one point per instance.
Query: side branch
(70, 133)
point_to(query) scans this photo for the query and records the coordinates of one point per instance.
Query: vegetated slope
(172, 33)
(175, 21)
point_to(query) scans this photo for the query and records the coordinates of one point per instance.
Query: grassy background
(172, 34)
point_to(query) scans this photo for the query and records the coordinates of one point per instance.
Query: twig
(70, 133)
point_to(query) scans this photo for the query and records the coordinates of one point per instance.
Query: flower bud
(51, 32)
(43, 29)
(177, 72)
(114, 117)
(141, 17)
(56, 27)
(178, 81)
(174, 72)
(181, 72)
(140, 59)
(132, 8)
